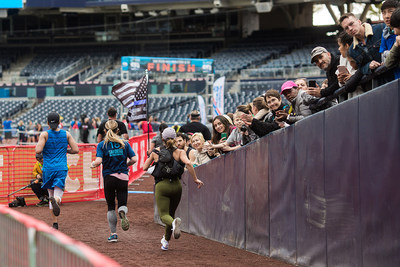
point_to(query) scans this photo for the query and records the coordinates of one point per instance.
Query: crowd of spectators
(365, 51)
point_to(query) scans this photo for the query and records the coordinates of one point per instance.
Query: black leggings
(114, 185)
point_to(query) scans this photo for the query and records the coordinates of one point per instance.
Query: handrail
(355, 80)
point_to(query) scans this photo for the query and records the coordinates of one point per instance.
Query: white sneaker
(164, 243)
(176, 231)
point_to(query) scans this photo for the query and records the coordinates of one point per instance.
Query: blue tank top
(55, 151)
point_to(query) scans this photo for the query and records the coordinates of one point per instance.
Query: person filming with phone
(328, 63)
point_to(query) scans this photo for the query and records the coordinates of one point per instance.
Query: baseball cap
(288, 85)
(168, 133)
(53, 119)
(317, 51)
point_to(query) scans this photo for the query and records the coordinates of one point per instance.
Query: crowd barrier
(30, 242)
(322, 192)
(82, 183)
(139, 144)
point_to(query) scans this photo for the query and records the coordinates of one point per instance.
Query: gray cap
(168, 133)
(317, 51)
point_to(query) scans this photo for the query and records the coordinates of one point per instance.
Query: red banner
(140, 145)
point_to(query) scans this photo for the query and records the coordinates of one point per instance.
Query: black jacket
(262, 128)
(333, 83)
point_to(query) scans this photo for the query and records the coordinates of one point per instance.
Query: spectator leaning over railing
(259, 108)
(202, 153)
(240, 136)
(274, 103)
(327, 62)
(393, 58)
(366, 43)
(347, 67)
(300, 101)
(388, 35)
(222, 128)
(260, 128)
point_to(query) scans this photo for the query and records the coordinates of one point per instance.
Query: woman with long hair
(168, 191)
(259, 108)
(113, 153)
(222, 128)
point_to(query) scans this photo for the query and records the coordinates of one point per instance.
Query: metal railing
(282, 72)
(356, 80)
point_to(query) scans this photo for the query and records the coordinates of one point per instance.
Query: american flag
(133, 95)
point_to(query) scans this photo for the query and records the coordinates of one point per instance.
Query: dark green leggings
(168, 195)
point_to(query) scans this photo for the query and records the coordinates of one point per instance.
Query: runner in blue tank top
(54, 146)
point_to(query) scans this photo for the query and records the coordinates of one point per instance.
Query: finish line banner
(168, 64)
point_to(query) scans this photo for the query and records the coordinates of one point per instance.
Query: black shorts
(7, 135)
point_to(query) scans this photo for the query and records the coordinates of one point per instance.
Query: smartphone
(342, 69)
(223, 135)
(312, 83)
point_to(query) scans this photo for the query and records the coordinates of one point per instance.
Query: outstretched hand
(247, 119)
(199, 183)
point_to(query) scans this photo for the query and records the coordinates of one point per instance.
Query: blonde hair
(238, 113)
(111, 135)
(199, 135)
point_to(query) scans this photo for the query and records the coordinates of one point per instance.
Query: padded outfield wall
(323, 192)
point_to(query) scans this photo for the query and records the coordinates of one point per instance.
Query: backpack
(166, 167)
(18, 202)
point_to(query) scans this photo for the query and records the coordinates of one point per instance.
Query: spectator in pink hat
(300, 103)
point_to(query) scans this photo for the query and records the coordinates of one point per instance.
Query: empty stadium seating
(9, 107)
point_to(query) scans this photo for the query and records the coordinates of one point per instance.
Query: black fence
(322, 192)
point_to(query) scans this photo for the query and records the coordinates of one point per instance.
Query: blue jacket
(388, 40)
(364, 54)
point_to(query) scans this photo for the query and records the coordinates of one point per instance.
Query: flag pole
(147, 109)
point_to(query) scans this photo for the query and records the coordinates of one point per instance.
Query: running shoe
(176, 231)
(56, 208)
(43, 203)
(164, 243)
(124, 220)
(113, 238)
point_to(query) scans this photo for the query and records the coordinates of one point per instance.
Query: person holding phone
(222, 128)
(328, 63)
(346, 69)
(300, 101)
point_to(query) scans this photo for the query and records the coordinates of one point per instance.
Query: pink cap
(288, 85)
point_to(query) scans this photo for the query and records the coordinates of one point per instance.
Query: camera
(243, 128)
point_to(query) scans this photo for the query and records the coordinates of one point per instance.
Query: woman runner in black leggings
(113, 153)
(168, 191)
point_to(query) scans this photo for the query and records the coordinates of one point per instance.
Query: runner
(54, 145)
(113, 153)
(168, 191)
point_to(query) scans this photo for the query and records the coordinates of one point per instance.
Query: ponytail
(112, 133)
(170, 144)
